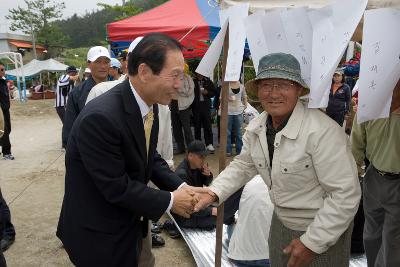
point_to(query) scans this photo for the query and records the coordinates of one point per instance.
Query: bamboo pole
(222, 148)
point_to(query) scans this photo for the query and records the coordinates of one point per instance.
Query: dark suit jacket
(106, 191)
(76, 101)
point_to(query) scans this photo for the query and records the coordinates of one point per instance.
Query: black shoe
(6, 243)
(174, 232)
(155, 228)
(157, 241)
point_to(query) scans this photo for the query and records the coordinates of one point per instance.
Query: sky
(72, 6)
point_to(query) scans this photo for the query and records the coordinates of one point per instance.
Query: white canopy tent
(37, 66)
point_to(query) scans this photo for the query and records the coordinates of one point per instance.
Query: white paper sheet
(255, 37)
(380, 63)
(237, 39)
(298, 31)
(274, 32)
(330, 39)
(210, 59)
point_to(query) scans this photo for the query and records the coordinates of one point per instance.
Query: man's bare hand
(206, 198)
(299, 255)
(184, 201)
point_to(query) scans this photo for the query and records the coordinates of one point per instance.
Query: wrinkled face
(196, 161)
(99, 68)
(278, 97)
(163, 87)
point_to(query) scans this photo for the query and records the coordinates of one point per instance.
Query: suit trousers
(382, 219)
(5, 139)
(146, 258)
(61, 113)
(202, 118)
(280, 237)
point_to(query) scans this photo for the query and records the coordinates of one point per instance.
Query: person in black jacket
(339, 99)
(195, 172)
(98, 59)
(111, 156)
(5, 107)
(204, 90)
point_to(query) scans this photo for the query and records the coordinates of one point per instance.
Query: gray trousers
(382, 219)
(280, 237)
(146, 258)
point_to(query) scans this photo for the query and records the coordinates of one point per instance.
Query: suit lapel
(134, 118)
(153, 136)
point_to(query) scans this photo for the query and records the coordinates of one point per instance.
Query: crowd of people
(295, 180)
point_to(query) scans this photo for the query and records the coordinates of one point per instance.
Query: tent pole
(222, 149)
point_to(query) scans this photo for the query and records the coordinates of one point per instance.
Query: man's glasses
(281, 87)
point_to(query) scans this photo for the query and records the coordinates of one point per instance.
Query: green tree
(126, 11)
(147, 4)
(37, 18)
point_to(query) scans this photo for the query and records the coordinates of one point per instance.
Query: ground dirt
(33, 186)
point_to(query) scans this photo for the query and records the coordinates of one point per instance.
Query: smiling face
(278, 97)
(99, 68)
(163, 87)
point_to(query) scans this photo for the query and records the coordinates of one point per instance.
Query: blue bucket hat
(280, 66)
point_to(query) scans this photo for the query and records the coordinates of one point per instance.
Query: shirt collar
(144, 108)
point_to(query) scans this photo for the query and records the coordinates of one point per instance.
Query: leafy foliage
(37, 18)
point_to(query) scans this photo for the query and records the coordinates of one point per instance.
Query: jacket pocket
(297, 175)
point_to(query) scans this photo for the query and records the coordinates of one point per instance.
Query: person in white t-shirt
(237, 103)
(248, 245)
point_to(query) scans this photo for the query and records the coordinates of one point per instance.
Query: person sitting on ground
(194, 171)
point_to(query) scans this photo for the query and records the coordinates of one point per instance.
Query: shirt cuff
(172, 198)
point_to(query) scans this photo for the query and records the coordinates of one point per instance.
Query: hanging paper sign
(255, 37)
(298, 31)
(274, 32)
(331, 36)
(380, 63)
(211, 57)
(237, 39)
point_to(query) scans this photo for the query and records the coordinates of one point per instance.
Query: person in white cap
(115, 69)
(98, 59)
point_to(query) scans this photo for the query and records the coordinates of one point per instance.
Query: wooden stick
(222, 149)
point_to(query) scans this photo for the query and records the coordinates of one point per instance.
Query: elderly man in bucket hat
(305, 159)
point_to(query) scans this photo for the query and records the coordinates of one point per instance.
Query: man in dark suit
(111, 156)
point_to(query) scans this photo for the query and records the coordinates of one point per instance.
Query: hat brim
(251, 86)
(201, 153)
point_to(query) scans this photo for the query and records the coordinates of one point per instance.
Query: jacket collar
(292, 128)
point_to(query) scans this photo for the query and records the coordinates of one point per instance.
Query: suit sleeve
(163, 177)
(100, 144)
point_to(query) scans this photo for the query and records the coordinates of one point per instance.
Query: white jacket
(313, 181)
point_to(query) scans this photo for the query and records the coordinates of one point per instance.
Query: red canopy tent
(193, 20)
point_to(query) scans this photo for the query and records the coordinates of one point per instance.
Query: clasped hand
(189, 199)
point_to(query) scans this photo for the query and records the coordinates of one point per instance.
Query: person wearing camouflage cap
(304, 158)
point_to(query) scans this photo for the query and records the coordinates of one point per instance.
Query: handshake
(189, 199)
